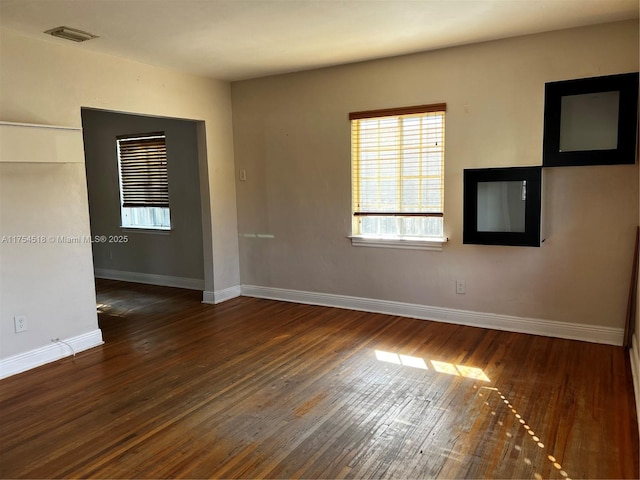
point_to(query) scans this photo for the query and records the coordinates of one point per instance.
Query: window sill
(153, 231)
(409, 243)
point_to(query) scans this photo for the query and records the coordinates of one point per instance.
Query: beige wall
(291, 134)
(47, 82)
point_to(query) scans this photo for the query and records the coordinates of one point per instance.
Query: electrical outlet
(20, 322)
(460, 286)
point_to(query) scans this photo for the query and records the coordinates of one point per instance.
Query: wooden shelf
(34, 143)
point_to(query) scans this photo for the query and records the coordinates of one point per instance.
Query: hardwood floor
(261, 389)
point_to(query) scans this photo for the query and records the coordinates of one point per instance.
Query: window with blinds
(144, 181)
(398, 172)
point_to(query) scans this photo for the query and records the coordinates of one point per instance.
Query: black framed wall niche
(503, 206)
(591, 121)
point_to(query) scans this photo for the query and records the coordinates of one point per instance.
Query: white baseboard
(151, 279)
(220, 296)
(634, 357)
(49, 353)
(547, 328)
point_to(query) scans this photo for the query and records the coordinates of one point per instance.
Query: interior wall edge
(219, 296)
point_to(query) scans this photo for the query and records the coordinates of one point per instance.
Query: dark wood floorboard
(255, 388)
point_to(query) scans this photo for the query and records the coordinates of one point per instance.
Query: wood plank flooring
(261, 389)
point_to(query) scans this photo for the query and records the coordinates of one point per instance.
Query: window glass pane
(501, 206)
(389, 226)
(412, 226)
(432, 163)
(398, 167)
(432, 124)
(369, 194)
(388, 194)
(388, 166)
(409, 226)
(411, 163)
(146, 217)
(369, 157)
(589, 122)
(411, 195)
(369, 225)
(411, 134)
(432, 195)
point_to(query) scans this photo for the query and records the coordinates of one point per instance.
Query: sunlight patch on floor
(440, 367)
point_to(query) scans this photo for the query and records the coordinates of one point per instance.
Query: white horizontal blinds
(398, 166)
(144, 181)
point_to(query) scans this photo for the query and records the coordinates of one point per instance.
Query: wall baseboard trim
(220, 296)
(634, 357)
(49, 353)
(151, 279)
(547, 328)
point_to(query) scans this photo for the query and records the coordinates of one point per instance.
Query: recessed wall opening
(171, 177)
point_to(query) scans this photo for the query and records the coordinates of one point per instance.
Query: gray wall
(176, 254)
(292, 137)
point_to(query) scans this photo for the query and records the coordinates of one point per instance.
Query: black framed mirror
(591, 121)
(503, 206)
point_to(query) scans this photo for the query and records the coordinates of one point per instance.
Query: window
(398, 175)
(144, 183)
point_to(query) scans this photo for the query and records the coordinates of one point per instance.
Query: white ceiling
(240, 39)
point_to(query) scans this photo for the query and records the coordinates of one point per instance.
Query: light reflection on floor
(438, 366)
(475, 374)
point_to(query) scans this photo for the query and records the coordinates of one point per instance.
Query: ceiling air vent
(71, 34)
